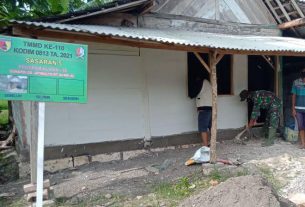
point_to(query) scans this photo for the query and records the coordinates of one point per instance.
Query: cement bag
(202, 155)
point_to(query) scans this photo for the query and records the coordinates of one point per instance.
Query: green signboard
(45, 71)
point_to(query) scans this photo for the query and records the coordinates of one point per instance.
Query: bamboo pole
(213, 61)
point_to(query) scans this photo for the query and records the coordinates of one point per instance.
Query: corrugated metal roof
(185, 38)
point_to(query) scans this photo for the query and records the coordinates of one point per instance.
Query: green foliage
(58, 7)
(270, 177)
(179, 190)
(4, 117)
(20, 202)
(3, 104)
(31, 9)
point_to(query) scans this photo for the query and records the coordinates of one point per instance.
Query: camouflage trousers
(273, 115)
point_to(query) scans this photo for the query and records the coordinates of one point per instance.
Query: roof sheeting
(185, 38)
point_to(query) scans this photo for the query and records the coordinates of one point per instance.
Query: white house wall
(114, 110)
(171, 111)
(136, 94)
(231, 112)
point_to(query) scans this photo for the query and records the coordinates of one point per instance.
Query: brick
(31, 197)
(30, 188)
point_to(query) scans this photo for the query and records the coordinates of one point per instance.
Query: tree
(31, 9)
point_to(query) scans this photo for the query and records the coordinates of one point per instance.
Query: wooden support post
(279, 85)
(213, 62)
(276, 76)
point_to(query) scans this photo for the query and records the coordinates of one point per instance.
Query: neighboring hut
(290, 18)
(140, 66)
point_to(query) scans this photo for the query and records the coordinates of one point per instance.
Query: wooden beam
(271, 53)
(147, 8)
(296, 6)
(218, 59)
(202, 62)
(276, 75)
(273, 11)
(105, 11)
(293, 23)
(268, 61)
(213, 58)
(283, 10)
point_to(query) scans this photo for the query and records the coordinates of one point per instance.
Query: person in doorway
(204, 108)
(298, 105)
(264, 100)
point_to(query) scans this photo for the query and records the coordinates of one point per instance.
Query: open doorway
(292, 67)
(260, 77)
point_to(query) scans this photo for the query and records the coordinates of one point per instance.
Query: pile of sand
(245, 191)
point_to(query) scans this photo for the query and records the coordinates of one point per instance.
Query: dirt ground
(252, 192)
(136, 177)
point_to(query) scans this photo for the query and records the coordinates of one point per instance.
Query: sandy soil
(250, 191)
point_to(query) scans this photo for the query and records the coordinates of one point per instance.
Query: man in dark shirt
(264, 100)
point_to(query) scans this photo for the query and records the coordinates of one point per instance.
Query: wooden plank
(31, 197)
(219, 57)
(289, 14)
(202, 62)
(293, 23)
(106, 11)
(283, 10)
(268, 61)
(217, 10)
(273, 11)
(296, 6)
(212, 58)
(271, 53)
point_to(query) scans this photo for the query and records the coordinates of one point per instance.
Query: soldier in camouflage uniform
(264, 100)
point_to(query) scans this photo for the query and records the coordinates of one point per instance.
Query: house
(141, 57)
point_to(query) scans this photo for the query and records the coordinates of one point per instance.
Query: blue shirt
(298, 88)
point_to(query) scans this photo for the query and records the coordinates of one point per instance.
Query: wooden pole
(276, 75)
(279, 85)
(213, 60)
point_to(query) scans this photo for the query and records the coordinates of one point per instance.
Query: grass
(267, 173)
(13, 203)
(100, 199)
(172, 193)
